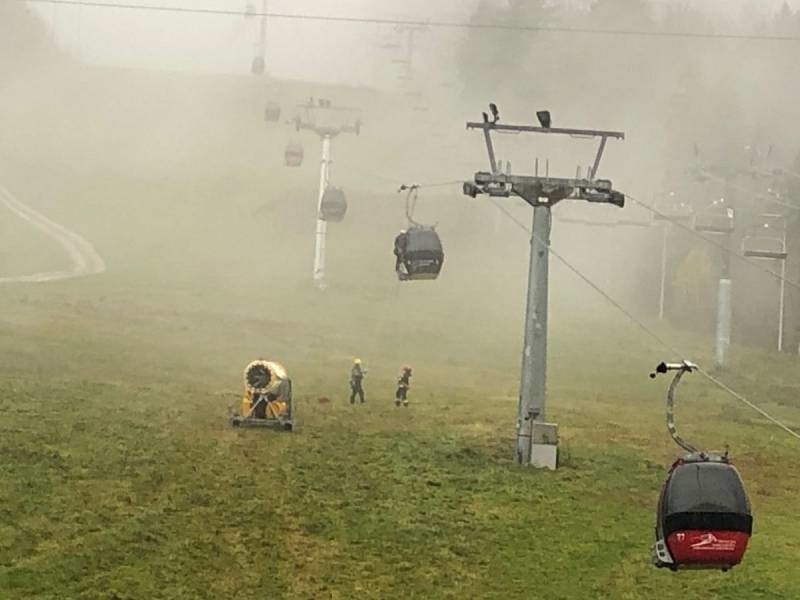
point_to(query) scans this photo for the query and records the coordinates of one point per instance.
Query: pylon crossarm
(503, 128)
(329, 107)
(330, 132)
(543, 190)
(306, 120)
(490, 125)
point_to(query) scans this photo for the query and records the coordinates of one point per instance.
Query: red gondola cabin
(704, 518)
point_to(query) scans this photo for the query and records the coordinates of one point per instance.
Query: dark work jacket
(404, 380)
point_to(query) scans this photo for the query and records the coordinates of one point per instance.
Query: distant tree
(680, 17)
(786, 21)
(617, 14)
(23, 35)
(685, 94)
(693, 288)
(488, 57)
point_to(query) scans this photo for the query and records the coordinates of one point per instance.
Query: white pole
(663, 272)
(723, 323)
(262, 37)
(781, 305)
(322, 225)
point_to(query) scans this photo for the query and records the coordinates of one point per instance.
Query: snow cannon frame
(267, 400)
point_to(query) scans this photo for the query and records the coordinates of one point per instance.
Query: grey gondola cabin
(419, 254)
(333, 206)
(258, 66)
(272, 112)
(293, 155)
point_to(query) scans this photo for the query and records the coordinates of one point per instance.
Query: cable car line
(418, 185)
(722, 385)
(715, 243)
(748, 191)
(784, 204)
(440, 24)
(744, 400)
(441, 184)
(590, 283)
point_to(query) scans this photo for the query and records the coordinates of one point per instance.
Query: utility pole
(718, 219)
(536, 442)
(408, 62)
(672, 211)
(663, 279)
(308, 120)
(262, 31)
(724, 298)
(724, 307)
(408, 47)
(259, 64)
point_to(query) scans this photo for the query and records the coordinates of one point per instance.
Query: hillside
(121, 477)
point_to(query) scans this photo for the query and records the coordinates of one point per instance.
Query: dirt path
(85, 259)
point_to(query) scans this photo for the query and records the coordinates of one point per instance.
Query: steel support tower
(541, 193)
(326, 133)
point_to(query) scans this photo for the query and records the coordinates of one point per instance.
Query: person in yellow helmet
(356, 381)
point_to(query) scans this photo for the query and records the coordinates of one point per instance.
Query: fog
(306, 50)
(144, 132)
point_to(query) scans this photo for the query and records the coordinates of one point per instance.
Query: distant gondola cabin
(258, 66)
(293, 155)
(272, 112)
(333, 206)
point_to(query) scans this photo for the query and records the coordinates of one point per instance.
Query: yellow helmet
(356, 361)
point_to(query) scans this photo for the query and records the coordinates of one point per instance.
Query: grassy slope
(120, 477)
(121, 474)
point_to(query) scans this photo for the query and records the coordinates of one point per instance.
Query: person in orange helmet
(403, 383)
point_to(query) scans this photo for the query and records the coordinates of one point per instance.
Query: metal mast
(322, 224)
(258, 66)
(542, 193)
(408, 61)
(262, 32)
(326, 133)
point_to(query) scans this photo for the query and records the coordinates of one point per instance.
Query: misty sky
(298, 50)
(309, 50)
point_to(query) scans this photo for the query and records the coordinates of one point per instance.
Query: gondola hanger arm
(412, 191)
(680, 370)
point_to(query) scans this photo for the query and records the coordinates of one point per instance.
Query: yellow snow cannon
(267, 400)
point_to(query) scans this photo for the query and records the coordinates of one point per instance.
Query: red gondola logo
(710, 542)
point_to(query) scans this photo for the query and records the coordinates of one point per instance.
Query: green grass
(122, 479)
